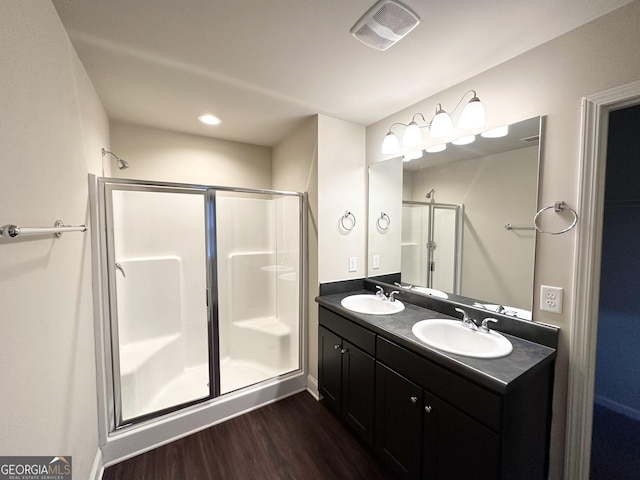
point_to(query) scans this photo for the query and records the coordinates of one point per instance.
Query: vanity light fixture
(412, 136)
(390, 144)
(466, 140)
(441, 126)
(496, 132)
(437, 148)
(209, 119)
(413, 155)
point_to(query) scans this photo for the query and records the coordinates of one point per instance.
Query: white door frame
(584, 322)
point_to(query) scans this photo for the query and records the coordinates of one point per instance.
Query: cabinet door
(456, 447)
(398, 436)
(330, 368)
(358, 388)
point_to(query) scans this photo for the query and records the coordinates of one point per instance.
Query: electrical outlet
(376, 262)
(353, 264)
(551, 299)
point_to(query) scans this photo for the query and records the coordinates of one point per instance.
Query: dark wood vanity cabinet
(427, 422)
(398, 439)
(421, 436)
(346, 380)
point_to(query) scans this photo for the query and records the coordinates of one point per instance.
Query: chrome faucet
(467, 321)
(380, 294)
(485, 324)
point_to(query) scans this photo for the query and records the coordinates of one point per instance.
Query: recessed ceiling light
(209, 119)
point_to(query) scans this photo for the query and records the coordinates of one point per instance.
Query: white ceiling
(263, 65)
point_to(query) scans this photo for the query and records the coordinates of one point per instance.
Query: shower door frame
(459, 228)
(106, 189)
(106, 325)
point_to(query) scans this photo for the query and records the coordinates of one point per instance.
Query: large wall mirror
(459, 223)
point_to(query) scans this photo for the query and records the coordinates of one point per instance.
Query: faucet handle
(392, 295)
(380, 291)
(466, 319)
(485, 324)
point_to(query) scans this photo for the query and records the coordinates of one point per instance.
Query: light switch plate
(376, 262)
(353, 264)
(551, 299)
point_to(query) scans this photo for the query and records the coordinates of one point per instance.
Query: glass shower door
(258, 277)
(157, 264)
(445, 248)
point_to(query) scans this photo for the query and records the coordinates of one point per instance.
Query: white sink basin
(371, 305)
(430, 291)
(453, 337)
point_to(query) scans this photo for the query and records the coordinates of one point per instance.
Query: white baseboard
(129, 443)
(312, 387)
(97, 469)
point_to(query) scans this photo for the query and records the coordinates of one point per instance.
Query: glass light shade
(496, 132)
(413, 155)
(390, 144)
(472, 115)
(441, 125)
(412, 135)
(464, 140)
(437, 148)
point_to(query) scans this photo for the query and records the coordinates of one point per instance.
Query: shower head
(122, 164)
(430, 193)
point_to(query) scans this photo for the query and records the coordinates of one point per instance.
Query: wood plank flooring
(295, 438)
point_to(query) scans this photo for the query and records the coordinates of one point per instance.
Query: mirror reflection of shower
(431, 194)
(432, 244)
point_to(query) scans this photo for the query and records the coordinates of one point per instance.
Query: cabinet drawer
(360, 337)
(475, 401)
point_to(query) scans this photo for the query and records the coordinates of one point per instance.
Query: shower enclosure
(431, 252)
(201, 292)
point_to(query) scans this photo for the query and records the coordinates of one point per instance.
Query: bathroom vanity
(429, 414)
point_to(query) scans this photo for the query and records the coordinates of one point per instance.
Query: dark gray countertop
(497, 374)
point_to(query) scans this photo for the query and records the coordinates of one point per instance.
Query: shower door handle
(119, 267)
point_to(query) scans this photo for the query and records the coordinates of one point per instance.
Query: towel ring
(350, 218)
(383, 222)
(558, 207)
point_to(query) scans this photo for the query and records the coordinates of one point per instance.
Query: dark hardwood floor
(295, 438)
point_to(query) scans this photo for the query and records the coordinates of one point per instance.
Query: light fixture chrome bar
(12, 231)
